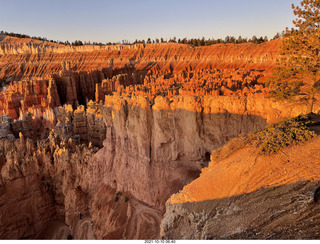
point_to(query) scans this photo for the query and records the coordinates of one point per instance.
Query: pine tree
(254, 39)
(239, 40)
(298, 70)
(227, 39)
(278, 35)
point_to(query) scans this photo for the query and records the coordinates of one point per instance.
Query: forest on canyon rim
(185, 139)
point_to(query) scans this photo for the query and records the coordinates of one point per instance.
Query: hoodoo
(179, 139)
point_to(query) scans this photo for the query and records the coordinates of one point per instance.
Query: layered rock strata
(37, 75)
(159, 111)
(149, 153)
(27, 58)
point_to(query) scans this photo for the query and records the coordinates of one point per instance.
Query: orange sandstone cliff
(113, 131)
(36, 75)
(27, 58)
(148, 153)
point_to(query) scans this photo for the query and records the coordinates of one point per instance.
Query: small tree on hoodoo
(298, 69)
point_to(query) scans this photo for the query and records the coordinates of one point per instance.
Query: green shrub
(283, 134)
(126, 199)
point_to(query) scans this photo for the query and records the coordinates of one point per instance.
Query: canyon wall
(113, 131)
(27, 58)
(37, 76)
(150, 151)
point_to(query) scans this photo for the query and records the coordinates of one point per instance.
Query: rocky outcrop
(53, 180)
(286, 212)
(20, 97)
(152, 151)
(26, 202)
(243, 195)
(84, 125)
(113, 131)
(149, 153)
(37, 76)
(42, 59)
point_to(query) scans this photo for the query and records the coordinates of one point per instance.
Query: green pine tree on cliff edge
(298, 69)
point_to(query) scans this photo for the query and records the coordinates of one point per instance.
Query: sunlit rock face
(243, 195)
(112, 132)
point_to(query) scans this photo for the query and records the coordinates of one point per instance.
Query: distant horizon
(7, 33)
(139, 20)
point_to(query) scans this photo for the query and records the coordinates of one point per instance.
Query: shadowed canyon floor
(114, 131)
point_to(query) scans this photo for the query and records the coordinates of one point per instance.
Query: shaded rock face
(26, 199)
(26, 204)
(284, 212)
(149, 152)
(154, 152)
(143, 160)
(79, 87)
(52, 179)
(117, 160)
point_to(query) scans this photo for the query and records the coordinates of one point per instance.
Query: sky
(117, 20)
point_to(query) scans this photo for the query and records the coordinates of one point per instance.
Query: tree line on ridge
(193, 41)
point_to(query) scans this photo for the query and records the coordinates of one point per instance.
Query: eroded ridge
(112, 132)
